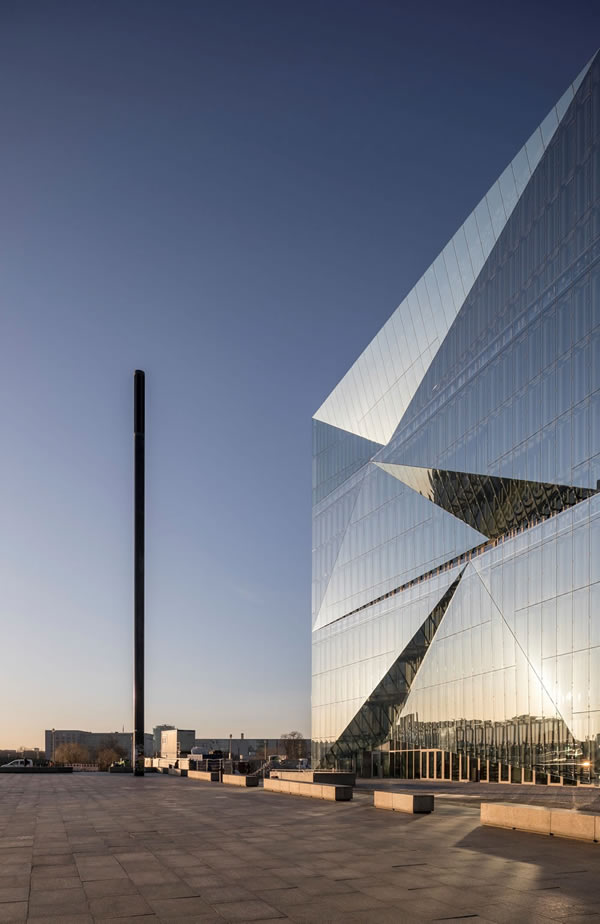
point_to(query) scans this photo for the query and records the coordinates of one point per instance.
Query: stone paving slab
(81, 849)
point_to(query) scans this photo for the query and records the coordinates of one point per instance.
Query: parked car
(20, 762)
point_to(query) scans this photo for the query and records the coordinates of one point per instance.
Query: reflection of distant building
(179, 741)
(456, 519)
(242, 747)
(93, 741)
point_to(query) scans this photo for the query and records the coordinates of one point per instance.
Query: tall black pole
(139, 440)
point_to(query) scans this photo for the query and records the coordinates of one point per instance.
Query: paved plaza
(99, 847)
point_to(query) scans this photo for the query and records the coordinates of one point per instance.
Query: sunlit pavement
(94, 847)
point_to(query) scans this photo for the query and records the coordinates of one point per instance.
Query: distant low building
(156, 733)
(93, 741)
(176, 741)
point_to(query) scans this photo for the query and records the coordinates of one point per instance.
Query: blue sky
(233, 196)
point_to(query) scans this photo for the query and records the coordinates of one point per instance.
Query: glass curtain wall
(456, 519)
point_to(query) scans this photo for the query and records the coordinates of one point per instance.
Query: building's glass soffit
(337, 454)
(376, 391)
(494, 506)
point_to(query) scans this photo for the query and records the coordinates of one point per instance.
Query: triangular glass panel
(328, 530)
(493, 506)
(373, 396)
(508, 383)
(337, 454)
(372, 724)
(511, 709)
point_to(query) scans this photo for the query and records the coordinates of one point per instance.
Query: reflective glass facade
(456, 519)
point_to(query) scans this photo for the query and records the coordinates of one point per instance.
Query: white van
(21, 762)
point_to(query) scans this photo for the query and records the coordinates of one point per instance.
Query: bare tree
(294, 745)
(108, 756)
(71, 753)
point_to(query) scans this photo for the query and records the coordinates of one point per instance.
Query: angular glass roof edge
(378, 430)
(345, 430)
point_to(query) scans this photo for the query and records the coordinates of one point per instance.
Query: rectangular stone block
(337, 793)
(413, 803)
(294, 776)
(310, 790)
(408, 802)
(383, 800)
(328, 777)
(334, 777)
(534, 818)
(236, 779)
(207, 776)
(578, 825)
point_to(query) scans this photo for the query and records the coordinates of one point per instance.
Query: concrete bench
(208, 776)
(534, 818)
(237, 779)
(176, 771)
(539, 819)
(327, 777)
(583, 826)
(417, 803)
(312, 790)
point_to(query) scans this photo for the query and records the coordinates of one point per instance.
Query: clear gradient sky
(233, 196)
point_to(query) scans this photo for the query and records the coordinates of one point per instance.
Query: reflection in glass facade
(456, 513)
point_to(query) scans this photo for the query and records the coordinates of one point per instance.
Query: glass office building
(456, 514)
